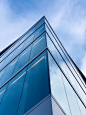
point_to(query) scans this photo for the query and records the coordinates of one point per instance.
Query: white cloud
(12, 26)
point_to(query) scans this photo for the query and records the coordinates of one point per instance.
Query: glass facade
(36, 66)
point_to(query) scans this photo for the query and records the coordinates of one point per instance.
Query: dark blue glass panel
(9, 71)
(36, 85)
(17, 51)
(2, 92)
(23, 59)
(7, 60)
(2, 73)
(1, 64)
(28, 41)
(36, 26)
(11, 98)
(39, 31)
(38, 45)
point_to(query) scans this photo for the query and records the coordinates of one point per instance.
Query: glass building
(38, 77)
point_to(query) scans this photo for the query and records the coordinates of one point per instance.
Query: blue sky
(67, 18)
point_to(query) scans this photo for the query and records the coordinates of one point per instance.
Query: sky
(67, 18)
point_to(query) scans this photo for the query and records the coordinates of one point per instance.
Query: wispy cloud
(12, 26)
(67, 17)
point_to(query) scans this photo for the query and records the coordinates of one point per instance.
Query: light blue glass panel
(65, 68)
(38, 45)
(57, 87)
(28, 41)
(18, 50)
(23, 59)
(2, 92)
(11, 98)
(60, 48)
(36, 85)
(9, 71)
(71, 98)
(7, 60)
(81, 106)
(39, 31)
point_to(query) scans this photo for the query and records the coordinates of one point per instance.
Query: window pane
(36, 26)
(36, 85)
(82, 108)
(7, 60)
(71, 98)
(57, 87)
(23, 59)
(38, 45)
(9, 71)
(17, 51)
(11, 98)
(39, 31)
(28, 41)
(2, 92)
(10, 50)
(2, 73)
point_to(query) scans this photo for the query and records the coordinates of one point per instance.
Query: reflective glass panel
(28, 41)
(57, 87)
(7, 60)
(9, 71)
(38, 45)
(71, 98)
(39, 31)
(2, 92)
(18, 50)
(11, 98)
(36, 85)
(36, 26)
(23, 59)
(81, 106)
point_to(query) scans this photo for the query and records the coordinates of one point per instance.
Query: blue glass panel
(7, 60)
(18, 50)
(36, 85)
(2, 92)
(9, 71)
(38, 45)
(10, 50)
(11, 98)
(23, 59)
(28, 41)
(39, 30)
(1, 64)
(71, 98)
(57, 86)
(36, 26)
(2, 73)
